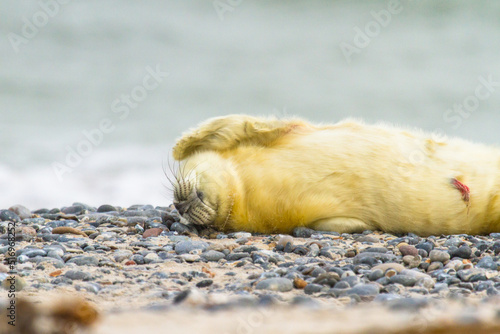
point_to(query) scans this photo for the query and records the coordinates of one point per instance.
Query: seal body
(271, 176)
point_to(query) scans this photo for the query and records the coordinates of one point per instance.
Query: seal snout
(182, 207)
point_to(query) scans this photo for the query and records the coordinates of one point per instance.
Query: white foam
(122, 176)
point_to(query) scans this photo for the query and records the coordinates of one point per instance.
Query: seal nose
(181, 207)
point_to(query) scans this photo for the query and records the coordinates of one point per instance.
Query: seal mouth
(199, 214)
(192, 207)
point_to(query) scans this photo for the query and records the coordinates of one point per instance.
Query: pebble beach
(140, 269)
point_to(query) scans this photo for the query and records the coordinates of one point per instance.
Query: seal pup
(269, 175)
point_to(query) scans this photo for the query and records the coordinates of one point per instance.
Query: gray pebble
(463, 252)
(204, 283)
(89, 287)
(184, 247)
(236, 256)
(153, 257)
(239, 235)
(403, 280)
(78, 275)
(84, 260)
(367, 290)
(106, 208)
(137, 258)
(21, 211)
(439, 256)
(302, 232)
(7, 215)
(275, 284)
(376, 274)
(212, 255)
(487, 262)
(313, 288)
(121, 254)
(472, 275)
(34, 252)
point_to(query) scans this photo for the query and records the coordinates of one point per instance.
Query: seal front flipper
(223, 133)
(340, 225)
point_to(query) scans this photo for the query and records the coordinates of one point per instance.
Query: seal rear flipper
(223, 133)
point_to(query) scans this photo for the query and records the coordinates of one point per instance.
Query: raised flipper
(341, 225)
(223, 133)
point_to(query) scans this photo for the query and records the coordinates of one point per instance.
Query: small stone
(121, 254)
(351, 253)
(376, 274)
(439, 256)
(404, 280)
(69, 230)
(472, 275)
(34, 252)
(25, 233)
(21, 211)
(239, 235)
(7, 215)
(152, 232)
(138, 258)
(364, 290)
(327, 278)
(299, 283)
(386, 266)
(89, 287)
(16, 282)
(487, 262)
(390, 273)
(189, 257)
(56, 273)
(84, 261)
(434, 266)
(302, 232)
(372, 258)
(73, 210)
(427, 246)
(275, 284)
(412, 261)
(106, 208)
(78, 275)
(313, 288)
(204, 283)
(184, 247)
(183, 229)
(408, 250)
(367, 238)
(191, 297)
(285, 240)
(212, 255)
(463, 252)
(151, 257)
(237, 256)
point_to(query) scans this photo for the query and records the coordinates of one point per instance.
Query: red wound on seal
(464, 190)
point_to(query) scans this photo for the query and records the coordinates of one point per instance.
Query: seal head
(203, 189)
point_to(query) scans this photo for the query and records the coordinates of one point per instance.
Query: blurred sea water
(68, 67)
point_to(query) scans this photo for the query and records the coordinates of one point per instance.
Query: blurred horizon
(119, 81)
